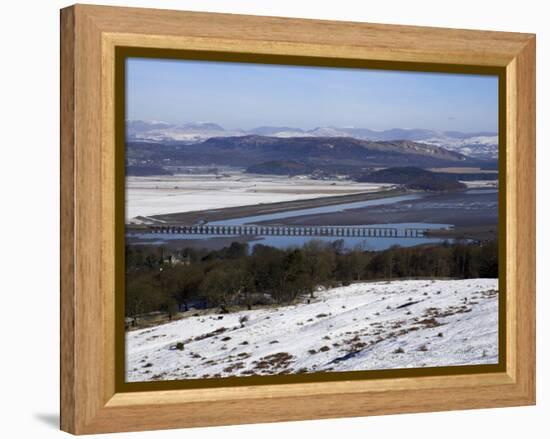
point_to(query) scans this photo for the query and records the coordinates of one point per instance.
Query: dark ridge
(415, 178)
(144, 171)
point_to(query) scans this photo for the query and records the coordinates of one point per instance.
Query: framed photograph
(269, 219)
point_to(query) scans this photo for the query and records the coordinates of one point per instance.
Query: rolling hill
(325, 153)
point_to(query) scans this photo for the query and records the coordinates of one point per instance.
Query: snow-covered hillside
(485, 147)
(365, 326)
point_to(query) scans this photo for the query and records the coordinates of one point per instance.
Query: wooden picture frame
(91, 401)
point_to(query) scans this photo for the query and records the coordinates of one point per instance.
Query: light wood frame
(89, 36)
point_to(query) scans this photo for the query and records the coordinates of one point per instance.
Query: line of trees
(235, 276)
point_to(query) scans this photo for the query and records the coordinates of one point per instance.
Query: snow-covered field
(365, 326)
(474, 184)
(186, 193)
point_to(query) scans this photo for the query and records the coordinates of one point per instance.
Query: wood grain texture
(373, 41)
(68, 308)
(90, 34)
(525, 228)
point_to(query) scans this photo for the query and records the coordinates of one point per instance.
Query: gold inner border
(122, 53)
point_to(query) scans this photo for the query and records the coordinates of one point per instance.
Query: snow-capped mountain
(482, 145)
(138, 130)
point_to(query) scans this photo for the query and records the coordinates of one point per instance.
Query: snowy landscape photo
(297, 220)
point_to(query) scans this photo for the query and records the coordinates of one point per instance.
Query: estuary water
(474, 205)
(317, 210)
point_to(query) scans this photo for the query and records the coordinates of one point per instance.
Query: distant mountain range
(297, 155)
(482, 145)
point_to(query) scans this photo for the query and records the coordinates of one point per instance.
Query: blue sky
(238, 95)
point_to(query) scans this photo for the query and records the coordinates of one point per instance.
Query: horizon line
(182, 124)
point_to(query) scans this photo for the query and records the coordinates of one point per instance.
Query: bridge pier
(326, 231)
